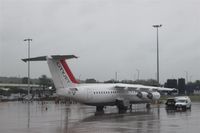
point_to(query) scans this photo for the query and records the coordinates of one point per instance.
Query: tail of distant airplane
(60, 71)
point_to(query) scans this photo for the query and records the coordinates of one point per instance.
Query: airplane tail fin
(60, 71)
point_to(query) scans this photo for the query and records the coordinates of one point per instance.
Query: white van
(183, 103)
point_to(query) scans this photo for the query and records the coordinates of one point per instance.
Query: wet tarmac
(75, 118)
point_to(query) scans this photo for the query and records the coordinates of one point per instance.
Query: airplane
(99, 94)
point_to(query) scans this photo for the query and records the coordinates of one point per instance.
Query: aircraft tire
(99, 108)
(121, 107)
(148, 106)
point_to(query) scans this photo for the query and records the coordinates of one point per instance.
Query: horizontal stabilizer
(44, 58)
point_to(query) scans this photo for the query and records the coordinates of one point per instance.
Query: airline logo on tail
(63, 72)
(68, 72)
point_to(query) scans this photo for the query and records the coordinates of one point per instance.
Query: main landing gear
(99, 110)
(148, 106)
(121, 107)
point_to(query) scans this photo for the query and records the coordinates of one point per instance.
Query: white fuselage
(102, 94)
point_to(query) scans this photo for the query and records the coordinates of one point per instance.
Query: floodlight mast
(157, 26)
(29, 41)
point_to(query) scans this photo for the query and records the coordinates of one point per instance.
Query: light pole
(29, 41)
(186, 75)
(157, 26)
(138, 74)
(115, 76)
(191, 78)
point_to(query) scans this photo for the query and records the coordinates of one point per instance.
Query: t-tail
(60, 71)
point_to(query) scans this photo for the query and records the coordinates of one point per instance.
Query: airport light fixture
(157, 26)
(191, 78)
(115, 76)
(138, 74)
(186, 76)
(29, 42)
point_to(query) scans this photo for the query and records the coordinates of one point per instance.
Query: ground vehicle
(183, 103)
(179, 103)
(170, 104)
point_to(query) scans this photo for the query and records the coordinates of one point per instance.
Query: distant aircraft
(100, 94)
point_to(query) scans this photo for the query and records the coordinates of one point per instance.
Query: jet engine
(148, 95)
(153, 95)
(142, 95)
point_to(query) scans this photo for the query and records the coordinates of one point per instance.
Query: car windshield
(181, 101)
(170, 100)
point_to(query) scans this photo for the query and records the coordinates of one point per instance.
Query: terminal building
(183, 88)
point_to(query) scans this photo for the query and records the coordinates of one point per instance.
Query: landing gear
(148, 106)
(99, 110)
(130, 107)
(121, 107)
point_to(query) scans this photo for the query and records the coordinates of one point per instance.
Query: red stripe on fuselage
(68, 71)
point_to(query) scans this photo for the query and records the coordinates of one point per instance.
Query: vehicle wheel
(184, 108)
(99, 108)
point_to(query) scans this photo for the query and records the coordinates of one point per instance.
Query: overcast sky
(108, 35)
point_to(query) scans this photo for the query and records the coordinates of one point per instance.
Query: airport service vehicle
(183, 103)
(179, 103)
(170, 103)
(99, 95)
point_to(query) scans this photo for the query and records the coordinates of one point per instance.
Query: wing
(142, 88)
(126, 87)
